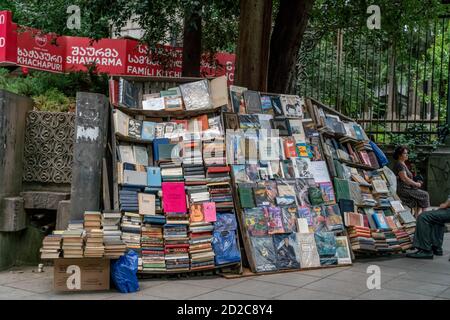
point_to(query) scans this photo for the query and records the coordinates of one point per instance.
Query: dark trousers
(430, 229)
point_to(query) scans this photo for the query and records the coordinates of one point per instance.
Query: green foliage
(53, 92)
(414, 138)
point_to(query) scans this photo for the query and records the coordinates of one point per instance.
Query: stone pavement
(401, 278)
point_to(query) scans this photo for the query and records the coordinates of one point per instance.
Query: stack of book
(220, 188)
(214, 152)
(361, 238)
(92, 220)
(176, 242)
(94, 244)
(392, 241)
(198, 193)
(51, 246)
(128, 198)
(73, 243)
(192, 149)
(171, 171)
(131, 231)
(152, 242)
(200, 233)
(110, 225)
(403, 238)
(409, 223)
(75, 225)
(114, 246)
(380, 241)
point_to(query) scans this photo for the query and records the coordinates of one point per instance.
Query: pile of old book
(51, 246)
(361, 238)
(73, 241)
(94, 244)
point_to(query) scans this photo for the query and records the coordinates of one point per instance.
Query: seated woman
(408, 189)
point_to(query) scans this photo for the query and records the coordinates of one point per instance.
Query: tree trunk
(252, 59)
(287, 36)
(192, 42)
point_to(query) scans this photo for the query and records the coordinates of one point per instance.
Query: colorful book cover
(290, 216)
(326, 243)
(240, 173)
(318, 218)
(289, 147)
(287, 248)
(304, 150)
(252, 172)
(174, 197)
(209, 210)
(343, 250)
(327, 193)
(333, 218)
(266, 104)
(264, 254)
(305, 212)
(271, 191)
(196, 214)
(256, 221)
(261, 197)
(148, 130)
(275, 220)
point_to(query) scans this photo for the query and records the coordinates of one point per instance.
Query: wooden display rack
(160, 84)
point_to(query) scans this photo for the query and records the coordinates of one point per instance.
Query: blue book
(154, 176)
(156, 143)
(148, 130)
(380, 221)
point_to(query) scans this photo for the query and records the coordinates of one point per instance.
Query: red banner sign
(36, 50)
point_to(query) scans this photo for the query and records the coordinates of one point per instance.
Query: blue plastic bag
(225, 247)
(381, 157)
(124, 272)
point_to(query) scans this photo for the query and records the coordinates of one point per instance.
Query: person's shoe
(438, 252)
(420, 254)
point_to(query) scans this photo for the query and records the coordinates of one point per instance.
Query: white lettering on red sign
(2, 19)
(2, 42)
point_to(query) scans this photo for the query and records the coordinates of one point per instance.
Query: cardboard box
(87, 274)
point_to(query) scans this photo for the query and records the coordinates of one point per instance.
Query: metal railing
(391, 87)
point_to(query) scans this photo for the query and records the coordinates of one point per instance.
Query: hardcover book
(264, 254)
(174, 197)
(275, 220)
(196, 95)
(261, 197)
(266, 104)
(148, 130)
(252, 101)
(282, 126)
(287, 248)
(256, 221)
(326, 243)
(290, 217)
(276, 105)
(292, 106)
(246, 196)
(135, 128)
(343, 250)
(327, 193)
(237, 99)
(309, 257)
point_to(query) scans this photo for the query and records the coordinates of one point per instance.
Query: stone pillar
(13, 111)
(90, 140)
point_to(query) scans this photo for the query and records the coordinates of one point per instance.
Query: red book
(218, 169)
(290, 150)
(114, 92)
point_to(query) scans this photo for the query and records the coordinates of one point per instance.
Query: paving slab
(296, 279)
(307, 294)
(211, 282)
(338, 287)
(41, 285)
(359, 277)
(429, 277)
(226, 295)
(260, 288)
(408, 285)
(445, 294)
(176, 291)
(387, 294)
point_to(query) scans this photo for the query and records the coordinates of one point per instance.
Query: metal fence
(395, 89)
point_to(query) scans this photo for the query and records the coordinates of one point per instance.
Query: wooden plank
(115, 203)
(180, 114)
(105, 180)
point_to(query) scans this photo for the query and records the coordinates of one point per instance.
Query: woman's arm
(405, 179)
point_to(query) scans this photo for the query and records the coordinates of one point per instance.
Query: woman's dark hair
(399, 151)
